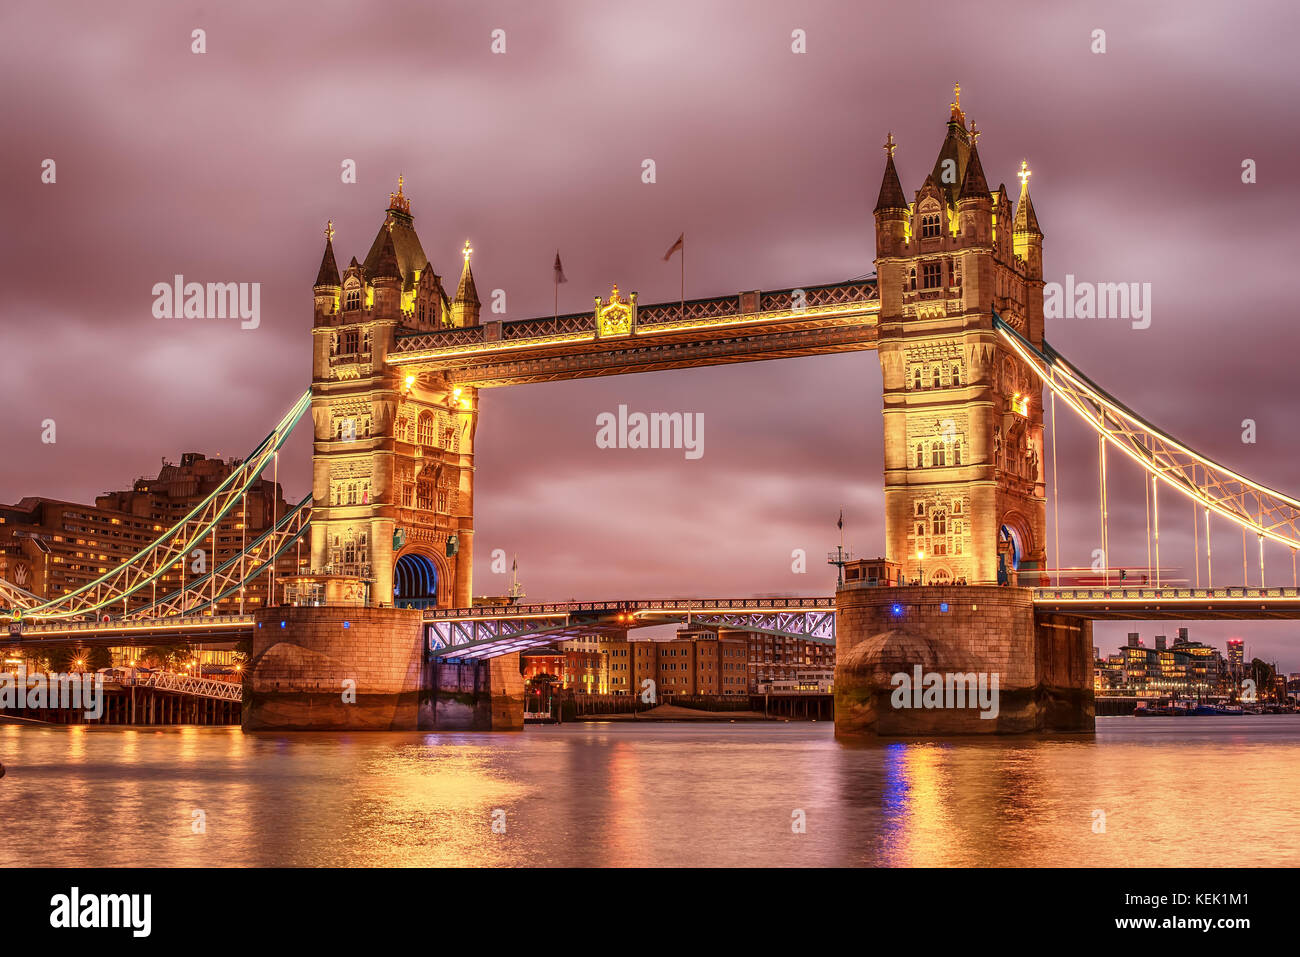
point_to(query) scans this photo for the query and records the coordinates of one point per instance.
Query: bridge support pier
(899, 651)
(348, 668)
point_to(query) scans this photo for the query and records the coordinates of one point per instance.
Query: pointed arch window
(956, 452)
(920, 456)
(352, 300)
(426, 429)
(936, 454)
(916, 378)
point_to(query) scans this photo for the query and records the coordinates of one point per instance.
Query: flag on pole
(680, 244)
(840, 523)
(559, 269)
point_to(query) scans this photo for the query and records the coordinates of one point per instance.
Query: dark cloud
(225, 167)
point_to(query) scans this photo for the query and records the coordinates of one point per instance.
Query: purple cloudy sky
(225, 166)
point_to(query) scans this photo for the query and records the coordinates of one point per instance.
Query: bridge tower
(393, 452)
(963, 418)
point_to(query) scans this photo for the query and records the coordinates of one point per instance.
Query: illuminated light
(898, 610)
(455, 393)
(347, 624)
(282, 624)
(943, 606)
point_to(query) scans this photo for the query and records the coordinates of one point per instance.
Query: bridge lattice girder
(488, 631)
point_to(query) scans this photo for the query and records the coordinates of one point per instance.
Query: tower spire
(891, 190)
(328, 275)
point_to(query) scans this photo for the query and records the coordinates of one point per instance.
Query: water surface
(1175, 791)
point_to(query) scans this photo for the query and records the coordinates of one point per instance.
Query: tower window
(916, 378)
(930, 226)
(912, 280)
(956, 374)
(353, 300)
(937, 456)
(920, 457)
(931, 275)
(940, 523)
(956, 452)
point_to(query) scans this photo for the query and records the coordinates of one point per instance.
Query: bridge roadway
(486, 631)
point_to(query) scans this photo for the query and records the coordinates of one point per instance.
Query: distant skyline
(225, 166)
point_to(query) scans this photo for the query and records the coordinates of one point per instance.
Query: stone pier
(340, 668)
(1043, 662)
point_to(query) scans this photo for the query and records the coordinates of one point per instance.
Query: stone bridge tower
(393, 452)
(963, 417)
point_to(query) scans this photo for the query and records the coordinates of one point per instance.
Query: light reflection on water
(1175, 791)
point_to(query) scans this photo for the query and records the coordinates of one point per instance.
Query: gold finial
(974, 133)
(890, 145)
(398, 200)
(956, 92)
(1024, 174)
(957, 115)
(613, 296)
(466, 251)
(329, 231)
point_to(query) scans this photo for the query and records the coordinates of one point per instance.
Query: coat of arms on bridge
(615, 318)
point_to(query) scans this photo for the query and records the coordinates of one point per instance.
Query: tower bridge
(955, 313)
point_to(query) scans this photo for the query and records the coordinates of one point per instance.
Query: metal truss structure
(700, 332)
(172, 548)
(1261, 510)
(188, 684)
(492, 630)
(228, 578)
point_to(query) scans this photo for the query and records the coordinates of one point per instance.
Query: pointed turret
(465, 307)
(385, 265)
(329, 269)
(973, 184)
(950, 165)
(891, 190)
(1026, 237)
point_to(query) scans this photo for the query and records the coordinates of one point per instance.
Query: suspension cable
(1155, 509)
(1056, 499)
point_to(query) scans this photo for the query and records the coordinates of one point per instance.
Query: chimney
(1160, 642)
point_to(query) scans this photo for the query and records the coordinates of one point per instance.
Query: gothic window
(352, 493)
(353, 299)
(442, 500)
(956, 508)
(920, 531)
(350, 342)
(365, 493)
(920, 508)
(365, 342)
(956, 273)
(419, 309)
(929, 225)
(425, 491)
(920, 456)
(408, 495)
(956, 546)
(940, 523)
(916, 378)
(426, 428)
(912, 280)
(956, 452)
(936, 454)
(956, 374)
(931, 275)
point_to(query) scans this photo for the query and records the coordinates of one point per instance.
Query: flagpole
(683, 275)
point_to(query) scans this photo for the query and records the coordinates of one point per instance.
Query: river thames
(1174, 792)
